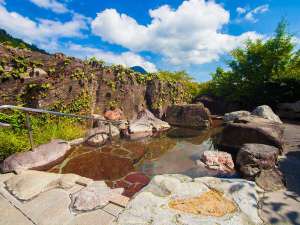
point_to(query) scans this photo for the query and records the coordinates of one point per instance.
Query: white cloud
(251, 13)
(126, 58)
(53, 5)
(42, 32)
(190, 34)
(241, 10)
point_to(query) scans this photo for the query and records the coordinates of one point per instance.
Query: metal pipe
(4, 125)
(29, 130)
(25, 109)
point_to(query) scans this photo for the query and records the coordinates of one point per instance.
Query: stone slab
(97, 217)
(11, 215)
(113, 209)
(49, 208)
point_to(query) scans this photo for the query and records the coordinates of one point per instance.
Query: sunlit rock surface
(158, 202)
(41, 156)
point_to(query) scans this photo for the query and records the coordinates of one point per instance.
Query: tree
(257, 65)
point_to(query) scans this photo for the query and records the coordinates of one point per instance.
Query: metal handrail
(59, 114)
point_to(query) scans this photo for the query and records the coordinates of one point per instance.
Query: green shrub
(263, 72)
(45, 128)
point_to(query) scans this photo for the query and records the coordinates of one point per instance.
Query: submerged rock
(266, 112)
(218, 160)
(190, 115)
(41, 156)
(99, 166)
(132, 183)
(178, 199)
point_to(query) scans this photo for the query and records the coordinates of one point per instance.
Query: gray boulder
(41, 156)
(266, 112)
(235, 115)
(145, 125)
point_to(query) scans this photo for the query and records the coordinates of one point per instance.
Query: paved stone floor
(283, 207)
(50, 208)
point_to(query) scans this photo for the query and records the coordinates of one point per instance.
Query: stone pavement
(283, 207)
(51, 207)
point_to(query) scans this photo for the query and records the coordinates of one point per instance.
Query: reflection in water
(175, 151)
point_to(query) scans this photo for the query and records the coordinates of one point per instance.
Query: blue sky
(194, 35)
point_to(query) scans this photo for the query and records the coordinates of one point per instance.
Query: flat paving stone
(113, 209)
(280, 207)
(10, 215)
(5, 177)
(49, 208)
(97, 217)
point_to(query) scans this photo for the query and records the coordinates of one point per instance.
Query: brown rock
(253, 158)
(41, 156)
(251, 130)
(270, 180)
(191, 115)
(116, 114)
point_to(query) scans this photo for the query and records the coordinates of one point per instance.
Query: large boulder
(40, 157)
(190, 115)
(253, 158)
(145, 125)
(266, 112)
(251, 130)
(178, 199)
(289, 110)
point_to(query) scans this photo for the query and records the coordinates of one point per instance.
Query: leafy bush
(45, 128)
(263, 72)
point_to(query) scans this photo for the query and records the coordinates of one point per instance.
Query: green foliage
(19, 68)
(78, 74)
(45, 129)
(7, 39)
(259, 67)
(78, 105)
